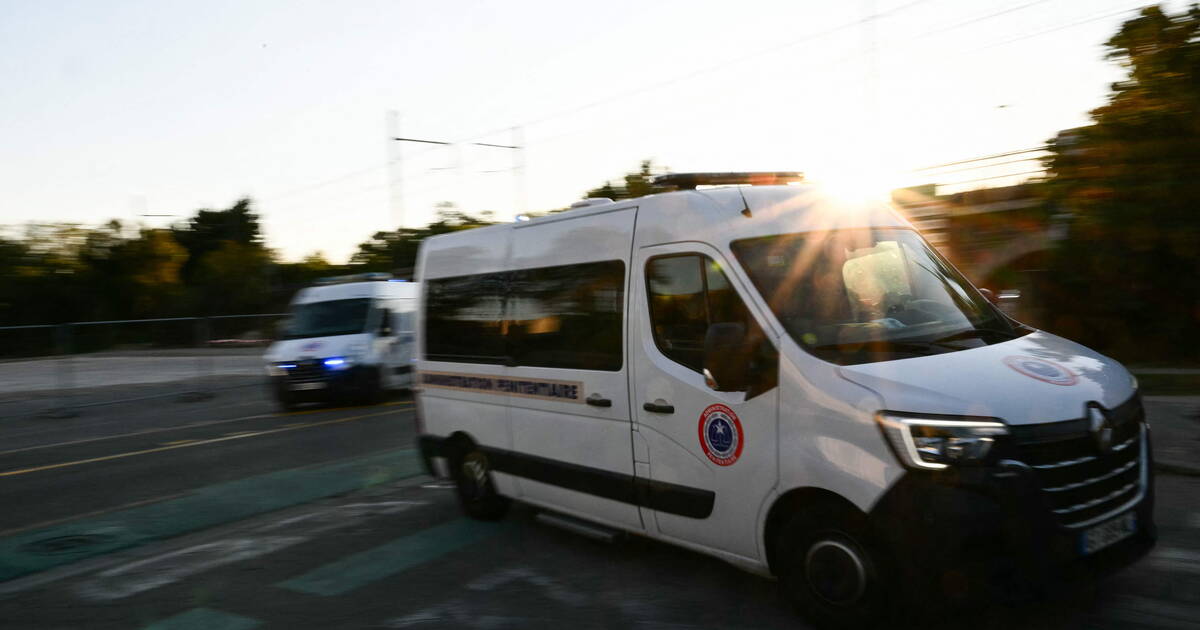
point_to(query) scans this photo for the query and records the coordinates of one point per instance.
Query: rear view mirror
(727, 357)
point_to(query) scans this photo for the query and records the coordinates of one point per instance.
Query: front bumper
(990, 532)
(333, 385)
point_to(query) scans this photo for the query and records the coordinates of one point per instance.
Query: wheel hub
(474, 469)
(835, 572)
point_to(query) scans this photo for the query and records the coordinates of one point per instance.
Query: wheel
(831, 570)
(372, 388)
(476, 491)
(285, 401)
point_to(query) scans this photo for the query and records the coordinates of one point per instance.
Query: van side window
(688, 293)
(569, 316)
(464, 319)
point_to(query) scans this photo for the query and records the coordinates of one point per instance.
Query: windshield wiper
(971, 333)
(883, 346)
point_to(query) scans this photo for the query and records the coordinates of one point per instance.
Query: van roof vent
(689, 181)
(591, 201)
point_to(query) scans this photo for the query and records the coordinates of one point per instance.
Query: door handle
(596, 400)
(659, 406)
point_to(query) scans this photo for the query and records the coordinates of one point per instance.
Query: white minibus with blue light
(346, 339)
(752, 368)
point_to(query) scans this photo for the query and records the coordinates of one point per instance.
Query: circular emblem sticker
(1042, 370)
(721, 435)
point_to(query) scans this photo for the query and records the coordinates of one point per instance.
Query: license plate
(1107, 533)
(304, 386)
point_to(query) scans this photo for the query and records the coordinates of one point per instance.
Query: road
(225, 514)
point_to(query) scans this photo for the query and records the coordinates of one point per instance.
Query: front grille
(307, 372)
(1080, 483)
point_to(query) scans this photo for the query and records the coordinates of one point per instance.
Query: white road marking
(458, 611)
(327, 518)
(1176, 560)
(151, 573)
(1153, 612)
(550, 587)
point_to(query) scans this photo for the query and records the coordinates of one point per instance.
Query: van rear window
(567, 316)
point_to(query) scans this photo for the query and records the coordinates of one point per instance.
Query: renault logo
(1101, 429)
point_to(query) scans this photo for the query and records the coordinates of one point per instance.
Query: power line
(983, 158)
(982, 18)
(938, 30)
(761, 52)
(1060, 27)
(706, 70)
(982, 179)
(992, 165)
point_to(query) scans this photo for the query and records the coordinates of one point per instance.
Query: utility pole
(518, 140)
(395, 172)
(518, 159)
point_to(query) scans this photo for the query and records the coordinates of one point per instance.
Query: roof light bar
(370, 276)
(689, 181)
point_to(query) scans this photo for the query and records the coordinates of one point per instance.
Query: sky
(122, 109)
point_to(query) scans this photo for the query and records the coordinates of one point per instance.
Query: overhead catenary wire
(984, 158)
(682, 78)
(715, 67)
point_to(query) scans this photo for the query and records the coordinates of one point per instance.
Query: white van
(799, 386)
(347, 339)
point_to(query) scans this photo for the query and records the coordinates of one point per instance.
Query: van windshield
(326, 319)
(865, 295)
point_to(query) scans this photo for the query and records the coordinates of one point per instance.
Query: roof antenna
(745, 206)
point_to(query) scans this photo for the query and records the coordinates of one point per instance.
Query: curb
(1177, 469)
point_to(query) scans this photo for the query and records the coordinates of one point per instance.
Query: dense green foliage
(213, 264)
(1128, 279)
(636, 184)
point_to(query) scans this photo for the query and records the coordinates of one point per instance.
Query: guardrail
(57, 363)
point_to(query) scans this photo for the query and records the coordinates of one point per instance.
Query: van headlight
(934, 444)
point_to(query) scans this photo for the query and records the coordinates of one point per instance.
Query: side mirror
(385, 323)
(991, 297)
(727, 357)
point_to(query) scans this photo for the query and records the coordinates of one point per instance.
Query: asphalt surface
(226, 514)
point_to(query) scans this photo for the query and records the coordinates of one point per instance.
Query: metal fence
(59, 370)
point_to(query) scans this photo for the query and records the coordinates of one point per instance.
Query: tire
(372, 389)
(473, 481)
(284, 401)
(831, 570)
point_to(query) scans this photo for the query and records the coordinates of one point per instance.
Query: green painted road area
(49, 547)
(386, 560)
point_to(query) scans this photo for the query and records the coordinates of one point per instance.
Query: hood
(1033, 379)
(317, 347)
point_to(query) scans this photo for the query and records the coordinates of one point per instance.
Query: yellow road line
(174, 442)
(104, 458)
(189, 426)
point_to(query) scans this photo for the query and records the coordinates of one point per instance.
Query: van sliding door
(567, 379)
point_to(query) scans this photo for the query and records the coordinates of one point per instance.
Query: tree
(209, 230)
(233, 279)
(1130, 181)
(396, 251)
(637, 184)
(151, 264)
